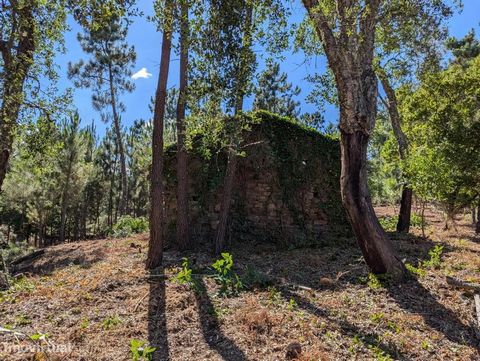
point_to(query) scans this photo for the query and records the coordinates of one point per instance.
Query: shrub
(110, 322)
(388, 223)
(420, 272)
(435, 257)
(128, 225)
(376, 281)
(230, 283)
(252, 279)
(416, 221)
(14, 250)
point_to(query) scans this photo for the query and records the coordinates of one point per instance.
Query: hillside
(94, 297)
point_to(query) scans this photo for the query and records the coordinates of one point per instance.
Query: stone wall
(286, 190)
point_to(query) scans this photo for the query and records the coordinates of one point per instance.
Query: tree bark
(404, 216)
(350, 57)
(229, 179)
(155, 247)
(403, 225)
(371, 238)
(228, 184)
(17, 61)
(182, 171)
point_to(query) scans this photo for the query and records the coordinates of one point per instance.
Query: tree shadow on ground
(55, 259)
(413, 297)
(410, 296)
(157, 320)
(370, 339)
(212, 333)
(414, 248)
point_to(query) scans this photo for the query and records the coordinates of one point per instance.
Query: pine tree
(274, 93)
(464, 49)
(107, 73)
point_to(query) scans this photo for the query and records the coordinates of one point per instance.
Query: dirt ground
(88, 300)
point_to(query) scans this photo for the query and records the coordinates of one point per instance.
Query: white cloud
(142, 73)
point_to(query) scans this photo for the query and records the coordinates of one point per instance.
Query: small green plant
(22, 320)
(292, 305)
(274, 296)
(39, 337)
(459, 266)
(377, 317)
(184, 276)
(426, 345)
(230, 283)
(128, 225)
(85, 323)
(416, 221)
(435, 257)
(379, 354)
(110, 322)
(393, 326)
(356, 343)
(420, 272)
(376, 282)
(140, 351)
(388, 223)
(22, 284)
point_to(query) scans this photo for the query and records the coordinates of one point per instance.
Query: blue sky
(147, 42)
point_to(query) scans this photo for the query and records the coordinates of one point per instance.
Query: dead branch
(462, 284)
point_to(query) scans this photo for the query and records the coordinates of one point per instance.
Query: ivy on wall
(303, 160)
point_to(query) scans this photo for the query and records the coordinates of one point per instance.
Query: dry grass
(95, 297)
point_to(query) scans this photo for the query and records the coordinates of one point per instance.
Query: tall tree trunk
(404, 215)
(111, 205)
(17, 61)
(350, 57)
(182, 170)
(155, 247)
(228, 184)
(358, 108)
(121, 149)
(66, 189)
(232, 160)
(376, 248)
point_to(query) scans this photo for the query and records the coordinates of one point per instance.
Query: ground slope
(94, 297)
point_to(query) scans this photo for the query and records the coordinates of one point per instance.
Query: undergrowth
(128, 225)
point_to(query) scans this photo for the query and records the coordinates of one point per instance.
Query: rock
(293, 351)
(325, 281)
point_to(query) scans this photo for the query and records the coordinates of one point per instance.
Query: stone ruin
(286, 189)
